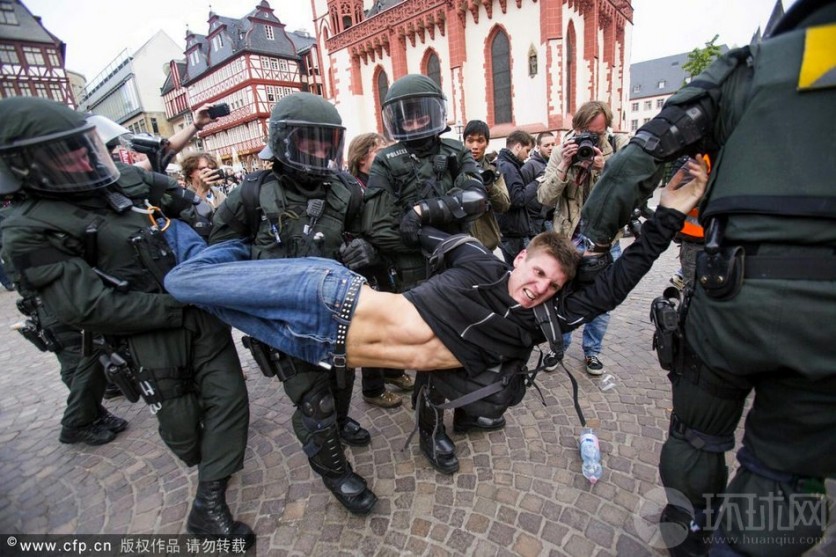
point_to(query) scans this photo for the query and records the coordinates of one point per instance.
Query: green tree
(700, 58)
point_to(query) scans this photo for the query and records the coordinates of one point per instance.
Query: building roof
(246, 34)
(646, 77)
(170, 81)
(28, 29)
(380, 5)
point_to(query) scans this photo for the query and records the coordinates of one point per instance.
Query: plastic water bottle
(591, 456)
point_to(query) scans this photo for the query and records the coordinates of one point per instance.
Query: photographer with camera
(477, 135)
(204, 177)
(569, 178)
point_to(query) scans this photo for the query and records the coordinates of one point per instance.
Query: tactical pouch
(270, 361)
(720, 273)
(664, 314)
(119, 373)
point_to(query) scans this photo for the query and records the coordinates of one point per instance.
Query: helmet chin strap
(422, 147)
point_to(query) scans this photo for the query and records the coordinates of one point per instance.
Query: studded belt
(339, 358)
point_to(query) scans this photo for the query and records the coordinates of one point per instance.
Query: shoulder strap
(250, 194)
(436, 260)
(355, 202)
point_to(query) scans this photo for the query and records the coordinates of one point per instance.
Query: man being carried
(476, 314)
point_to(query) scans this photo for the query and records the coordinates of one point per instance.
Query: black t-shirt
(468, 307)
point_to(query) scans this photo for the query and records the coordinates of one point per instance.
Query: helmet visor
(313, 148)
(69, 162)
(415, 118)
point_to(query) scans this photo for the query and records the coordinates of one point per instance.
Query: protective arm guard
(462, 206)
(675, 130)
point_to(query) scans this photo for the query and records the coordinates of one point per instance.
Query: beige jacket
(485, 228)
(568, 196)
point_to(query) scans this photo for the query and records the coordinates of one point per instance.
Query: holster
(120, 374)
(270, 361)
(720, 273)
(154, 253)
(32, 333)
(668, 338)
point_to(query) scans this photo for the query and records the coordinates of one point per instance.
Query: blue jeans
(594, 331)
(290, 304)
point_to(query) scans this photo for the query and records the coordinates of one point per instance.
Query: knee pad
(318, 412)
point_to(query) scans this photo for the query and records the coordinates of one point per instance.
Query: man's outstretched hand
(687, 186)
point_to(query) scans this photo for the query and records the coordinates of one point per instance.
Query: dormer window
(268, 30)
(193, 58)
(662, 84)
(218, 42)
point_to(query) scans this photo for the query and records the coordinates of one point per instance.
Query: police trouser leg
(706, 410)
(315, 424)
(223, 399)
(85, 379)
(204, 414)
(775, 505)
(433, 439)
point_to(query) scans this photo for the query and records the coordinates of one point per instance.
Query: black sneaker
(93, 434)
(111, 422)
(352, 433)
(594, 365)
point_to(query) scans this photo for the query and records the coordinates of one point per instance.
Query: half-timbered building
(248, 63)
(31, 58)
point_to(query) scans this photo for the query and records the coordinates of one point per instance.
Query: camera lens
(585, 152)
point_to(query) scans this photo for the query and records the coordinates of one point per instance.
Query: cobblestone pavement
(519, 491)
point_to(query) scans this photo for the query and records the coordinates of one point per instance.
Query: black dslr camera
(488, 177)
(586, 142)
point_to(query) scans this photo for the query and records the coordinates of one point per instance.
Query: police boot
(92, 434)
(432, 437)
(325, 451)
(682, 535)
(210, 514)
(462, 422)
(111, 422)
(349, 488)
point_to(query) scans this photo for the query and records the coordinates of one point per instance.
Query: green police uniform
(766, 289)
(442, 178)
(398, 180)
(204, 416)
(93, 252)
(306, 208)
(86, 384)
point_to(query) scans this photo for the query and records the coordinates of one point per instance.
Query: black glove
(410, 226)
(358, 253)
(591, 265)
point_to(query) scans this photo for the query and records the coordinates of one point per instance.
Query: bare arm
(179, 140)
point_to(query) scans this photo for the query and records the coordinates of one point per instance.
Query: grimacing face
(536, 278)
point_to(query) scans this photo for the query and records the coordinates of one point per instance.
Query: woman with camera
(204, 177)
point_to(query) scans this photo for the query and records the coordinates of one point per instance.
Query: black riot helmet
(414, 108)
(48, 148)
(306, 134)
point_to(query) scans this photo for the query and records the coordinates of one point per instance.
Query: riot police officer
(92, 251)
(439, 174)
(765, 290)
(305, 206)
